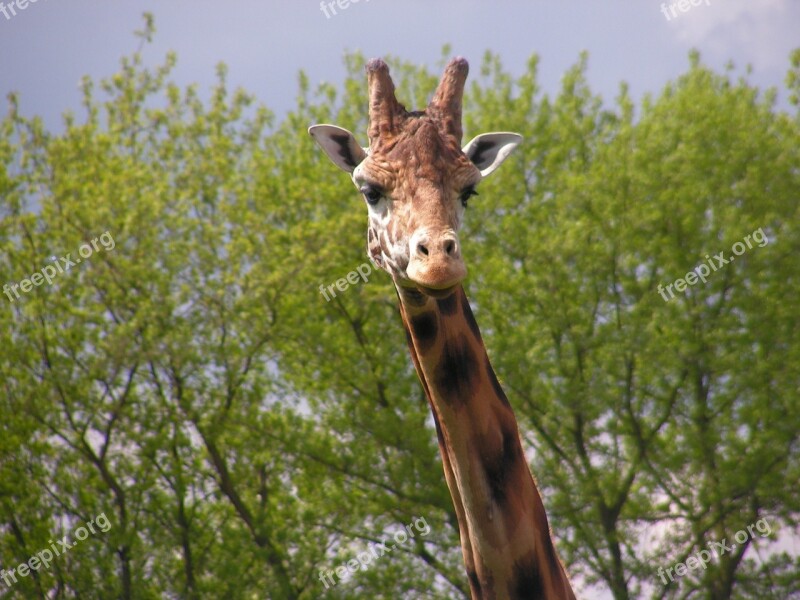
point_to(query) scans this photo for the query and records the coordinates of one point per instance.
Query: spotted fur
(414, 176)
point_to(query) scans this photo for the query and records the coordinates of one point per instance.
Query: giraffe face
(416, 191)
(415, 179)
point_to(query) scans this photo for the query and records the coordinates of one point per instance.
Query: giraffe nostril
(449, 247)
(422, 249)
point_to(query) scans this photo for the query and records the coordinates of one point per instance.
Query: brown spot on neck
(489, 480)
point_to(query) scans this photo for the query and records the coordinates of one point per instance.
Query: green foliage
(651, 419)
(242, 434)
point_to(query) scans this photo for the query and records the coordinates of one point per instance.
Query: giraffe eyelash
(466, 195)
(372, 194)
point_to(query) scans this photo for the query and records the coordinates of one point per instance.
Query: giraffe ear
(488, 150)
(340, 145)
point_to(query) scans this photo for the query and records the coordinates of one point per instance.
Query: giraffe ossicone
(416, 180)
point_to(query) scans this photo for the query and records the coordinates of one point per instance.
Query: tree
(243, 435)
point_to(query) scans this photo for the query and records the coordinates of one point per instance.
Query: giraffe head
(415, 178)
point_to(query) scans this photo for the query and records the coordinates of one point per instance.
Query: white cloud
(766, 29)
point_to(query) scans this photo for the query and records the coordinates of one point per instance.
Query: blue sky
(49, 45)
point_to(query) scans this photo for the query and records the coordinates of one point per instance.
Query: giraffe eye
(371, 193)
(466, 195)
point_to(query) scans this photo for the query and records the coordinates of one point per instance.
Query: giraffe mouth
(437, 292)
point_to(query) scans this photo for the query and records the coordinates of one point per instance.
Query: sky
(49, 45)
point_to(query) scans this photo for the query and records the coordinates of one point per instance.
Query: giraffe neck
(505, 537)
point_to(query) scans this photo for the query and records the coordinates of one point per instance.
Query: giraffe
(416, 181)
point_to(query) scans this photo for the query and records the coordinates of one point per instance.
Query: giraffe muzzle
(435, 264)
